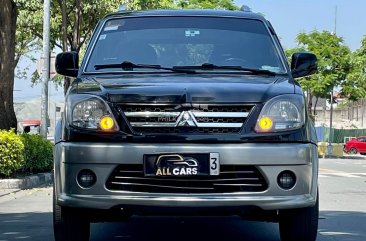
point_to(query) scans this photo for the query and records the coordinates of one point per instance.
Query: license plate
(182, 165)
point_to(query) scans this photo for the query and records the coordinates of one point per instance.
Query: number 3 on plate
(214, 164)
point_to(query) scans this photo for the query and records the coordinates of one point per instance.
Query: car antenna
(245, 8)
(122, 8)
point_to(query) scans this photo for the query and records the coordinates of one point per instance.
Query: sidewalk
(8, 186)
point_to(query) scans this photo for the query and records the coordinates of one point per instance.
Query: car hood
(178, 88)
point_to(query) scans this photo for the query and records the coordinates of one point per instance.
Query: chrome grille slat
(232, 178)
(199, 125)
(227, 184)
(131, 171)
(184, 118)
(219, 125)
(152, 114)
(162, 186)
(188, 180)
(236, 172)
(221, 114)
(152, 124)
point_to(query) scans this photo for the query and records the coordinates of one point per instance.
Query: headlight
(282, 113)
(90, 112)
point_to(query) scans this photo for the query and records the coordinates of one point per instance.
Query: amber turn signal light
(106, 123)
(265, 123)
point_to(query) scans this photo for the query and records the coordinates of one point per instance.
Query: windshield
(185, 41)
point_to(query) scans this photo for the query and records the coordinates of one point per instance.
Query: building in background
(30, 111)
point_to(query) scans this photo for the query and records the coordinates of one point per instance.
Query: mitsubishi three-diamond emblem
(186, 119)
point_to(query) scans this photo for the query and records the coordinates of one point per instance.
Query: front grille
(172, 130)
(232, 178)
(196, 118)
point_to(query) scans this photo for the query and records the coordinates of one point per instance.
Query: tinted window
(181, 41)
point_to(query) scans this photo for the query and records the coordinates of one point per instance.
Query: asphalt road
(27, 215)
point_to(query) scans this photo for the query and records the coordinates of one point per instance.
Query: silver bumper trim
(264, 202)
(131, 153)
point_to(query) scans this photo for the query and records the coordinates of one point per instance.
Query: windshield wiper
(208, 66)
(129, 66)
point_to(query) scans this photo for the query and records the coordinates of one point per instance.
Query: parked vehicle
(31, 126)
(356, 145)
(185, 112)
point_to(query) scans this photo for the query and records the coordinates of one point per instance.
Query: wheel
(299, 224)
(363, 153)
(353, 150)
(70, 224)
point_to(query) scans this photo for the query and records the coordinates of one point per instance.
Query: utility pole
(330, 139)
(46, 68)
(335, 19)
(330, 147)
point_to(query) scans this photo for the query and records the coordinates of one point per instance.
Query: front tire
(70, 224)
(299, 224)
(353, 151)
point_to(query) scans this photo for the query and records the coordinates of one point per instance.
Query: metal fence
(339, 135)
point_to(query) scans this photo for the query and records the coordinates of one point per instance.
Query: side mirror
(303, 64)
(67, 64)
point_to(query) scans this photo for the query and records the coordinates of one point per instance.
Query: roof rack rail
(245, 8)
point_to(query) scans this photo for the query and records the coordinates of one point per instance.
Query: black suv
(185, 111)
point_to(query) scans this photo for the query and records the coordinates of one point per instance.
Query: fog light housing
(286, 180)
(86, 178)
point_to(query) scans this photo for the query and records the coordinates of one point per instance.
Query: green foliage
(207, 4)
(11, 152)
(355, 86)
(148, 4)
(333, 61)
(337, 66)
(29, 28)
(38, 153)
(191, 4)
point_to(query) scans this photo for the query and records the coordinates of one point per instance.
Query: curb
(27, 182)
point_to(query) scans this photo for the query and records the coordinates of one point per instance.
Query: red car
(356, 145)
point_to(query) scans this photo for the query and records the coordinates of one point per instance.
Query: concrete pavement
(27, 215)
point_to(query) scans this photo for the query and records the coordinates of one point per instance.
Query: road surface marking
(323, 172)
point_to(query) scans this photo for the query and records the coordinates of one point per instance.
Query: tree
(8, 18)
(333, 63)
(29, 22)
(149, 4)
(355, 86)
(208, 4)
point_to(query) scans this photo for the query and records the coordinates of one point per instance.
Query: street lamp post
(46, 68)
(330, 139)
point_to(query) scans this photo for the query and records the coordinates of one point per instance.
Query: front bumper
(103, 158)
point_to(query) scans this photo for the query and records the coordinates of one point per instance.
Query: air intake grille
(233, 178)
(201, 119)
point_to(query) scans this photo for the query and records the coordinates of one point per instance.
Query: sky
(23, 90)
(288, 17)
